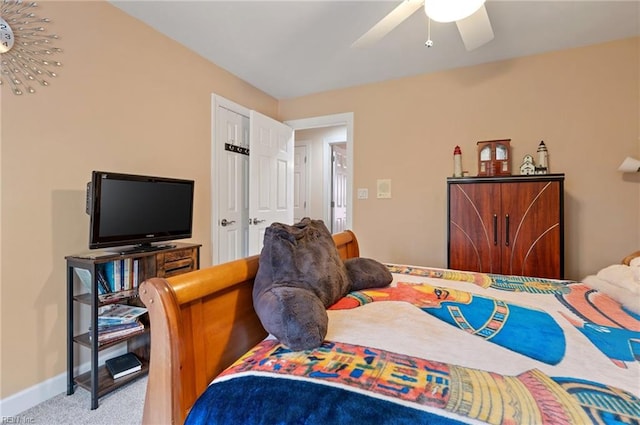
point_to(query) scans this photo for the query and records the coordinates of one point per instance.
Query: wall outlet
(363, 193)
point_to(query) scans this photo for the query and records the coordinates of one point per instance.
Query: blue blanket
(253, 400)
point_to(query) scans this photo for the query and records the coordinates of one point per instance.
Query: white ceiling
(294, 48)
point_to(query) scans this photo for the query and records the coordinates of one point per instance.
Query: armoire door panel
(531, 209)
(540, 259)
(473, 228)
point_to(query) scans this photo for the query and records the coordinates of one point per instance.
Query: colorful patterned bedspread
(443, 346)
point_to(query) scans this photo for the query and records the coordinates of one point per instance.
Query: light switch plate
(363, 193)
(384, 188)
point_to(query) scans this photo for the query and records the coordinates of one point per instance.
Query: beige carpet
(120, 407)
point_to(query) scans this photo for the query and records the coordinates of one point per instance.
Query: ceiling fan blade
(388, 23)
(475, 29)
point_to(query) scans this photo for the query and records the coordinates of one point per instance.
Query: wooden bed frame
(201, 322)
(628, 258)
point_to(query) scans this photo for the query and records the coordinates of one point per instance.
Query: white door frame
(345, 119)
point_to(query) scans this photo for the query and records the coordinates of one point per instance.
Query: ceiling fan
(469, 15)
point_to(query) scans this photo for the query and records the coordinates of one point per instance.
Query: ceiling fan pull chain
(429, 42)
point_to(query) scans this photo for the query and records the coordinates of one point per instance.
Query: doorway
(320, 171)
(332, 131)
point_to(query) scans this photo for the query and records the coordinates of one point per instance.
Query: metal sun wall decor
(26, 48)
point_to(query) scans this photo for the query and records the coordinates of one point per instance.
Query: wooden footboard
(200, 323)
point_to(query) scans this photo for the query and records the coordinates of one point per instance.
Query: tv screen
(129, 209)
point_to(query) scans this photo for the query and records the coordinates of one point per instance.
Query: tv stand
(146, 248)
(154, 260)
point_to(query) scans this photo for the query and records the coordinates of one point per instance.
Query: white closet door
(232, 134)
(271, 167)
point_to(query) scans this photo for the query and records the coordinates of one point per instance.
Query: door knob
(225, 222)
(256, 221)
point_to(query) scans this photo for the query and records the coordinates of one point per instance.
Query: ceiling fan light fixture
(451, 10)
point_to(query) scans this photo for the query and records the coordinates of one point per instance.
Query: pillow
(364, 273)
(619, 275)
(625, 296)
(300, 274)
(635, 269)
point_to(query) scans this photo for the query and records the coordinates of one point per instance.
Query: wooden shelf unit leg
(70, 380)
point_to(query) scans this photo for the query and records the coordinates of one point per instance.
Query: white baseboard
(19, 402)
(26, 399)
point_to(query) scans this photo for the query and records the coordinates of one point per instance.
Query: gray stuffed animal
(300, 274)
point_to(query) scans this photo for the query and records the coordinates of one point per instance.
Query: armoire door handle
(506, 226)
(495, 229)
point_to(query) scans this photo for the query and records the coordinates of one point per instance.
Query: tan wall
(129, 100)
(583, 103)
(133, 100)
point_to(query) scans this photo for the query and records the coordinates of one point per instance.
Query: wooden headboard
(201, 322)
(627, 260)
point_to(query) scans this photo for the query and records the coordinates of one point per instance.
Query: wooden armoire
(511, 225)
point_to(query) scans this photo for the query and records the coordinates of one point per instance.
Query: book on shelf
(112, 314)
(126, 273)
(121, 331)
(118, 326)
(103, 283)
(123, 365)
(110, 333)
(135, 279)
(114, 297)
(120, 275)
(111, 274)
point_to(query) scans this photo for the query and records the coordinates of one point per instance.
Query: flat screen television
(134, 211)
